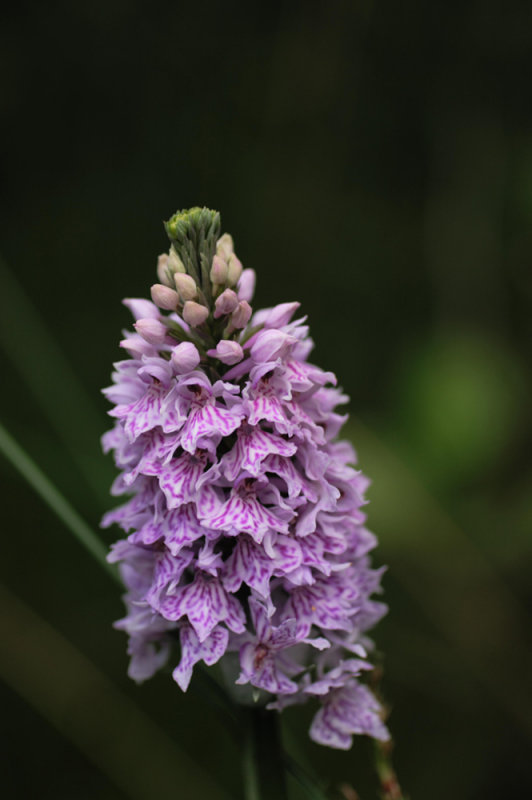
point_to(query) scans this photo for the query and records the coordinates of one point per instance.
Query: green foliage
(460, 406)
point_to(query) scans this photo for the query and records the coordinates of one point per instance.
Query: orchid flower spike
(244, 533)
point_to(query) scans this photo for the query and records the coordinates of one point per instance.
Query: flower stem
(264, 775)
(389, 785)
(388, 781)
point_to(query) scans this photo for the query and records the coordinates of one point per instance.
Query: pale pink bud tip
(270, 345)
(242, 315)
(162, 269)
(218, 271)
(151, 330)
(227, 351)
(186, 286)
(234, 270)
(164, 297)
(225, 304)
(194, 314)
(224, 246)
(185, 357)
(174, 262)
(246, 285)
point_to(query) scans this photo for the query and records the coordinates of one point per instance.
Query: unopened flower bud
(194, 314)
(218, 271)
(227, 351)
(174, 262)
(271, 344)
(186, 286)
(164, 297)
(162, 269)
(167, 265)
(234, 270)
(185, 357)
(224, 246)
(225, 304)
(151, 330)
(241, 317)
(246, 285)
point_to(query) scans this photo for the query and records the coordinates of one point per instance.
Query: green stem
(389, 784)
(49, 377)
(251, 782)
(264, 774)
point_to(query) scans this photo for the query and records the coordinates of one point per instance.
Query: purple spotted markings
(246, 540)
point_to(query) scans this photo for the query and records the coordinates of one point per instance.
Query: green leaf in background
(461, 402)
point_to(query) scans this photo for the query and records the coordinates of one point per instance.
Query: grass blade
(49, 376)
(54, 499)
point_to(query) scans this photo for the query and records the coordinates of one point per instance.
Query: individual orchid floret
(185, 357)
(260, 658)
(164, 297)
(186, 286)
(194, 314)
(350, 709)
(277, 317)
(174, 262)
(141, 308)
(153, 331)
(246, 285)
(218, 272)
(227, 351)
(162, 270)
(241, 316)
(224, 246)
(270, 345)
(244, 538)
(226, 303)
(234, 270)
(209, 651)
(167, 266)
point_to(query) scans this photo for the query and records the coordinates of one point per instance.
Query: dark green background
(374, 161)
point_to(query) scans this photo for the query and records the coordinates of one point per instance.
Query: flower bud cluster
(168, 265)
(226, 266)
(245, 537)
(231, 287)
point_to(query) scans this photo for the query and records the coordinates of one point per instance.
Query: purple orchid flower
(245, 529)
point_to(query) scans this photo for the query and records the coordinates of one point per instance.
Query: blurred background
(374, 161)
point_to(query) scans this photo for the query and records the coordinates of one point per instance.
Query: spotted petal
(208, 422)
(192, 650)
(178, 479)
(346, 711)
(205, 603)
(245, 514)
(248, 564)
(259, 668)
(253, 445)
(144, 414)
